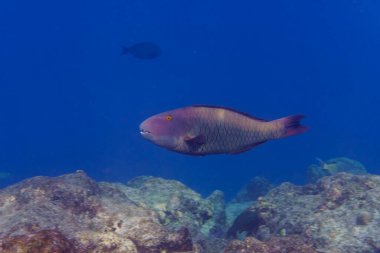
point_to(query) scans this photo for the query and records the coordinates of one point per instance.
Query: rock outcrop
(339, 214)
(290, 244)
(72, 213)
(256, 187)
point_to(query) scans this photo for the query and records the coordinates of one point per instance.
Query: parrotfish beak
(144, 130)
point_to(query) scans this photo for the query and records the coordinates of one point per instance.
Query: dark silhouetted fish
(143, 50)
(202, 130)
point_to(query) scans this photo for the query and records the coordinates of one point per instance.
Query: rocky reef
(289, 244)
(339, 214)
(74, 214)
(334, 166)
(256, 187)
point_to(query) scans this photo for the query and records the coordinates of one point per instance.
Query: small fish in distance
(203, 130)
(5, 175)
(143, 50)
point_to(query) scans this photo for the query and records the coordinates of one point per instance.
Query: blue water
(69, 100)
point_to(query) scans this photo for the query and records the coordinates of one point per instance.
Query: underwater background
(70, 100)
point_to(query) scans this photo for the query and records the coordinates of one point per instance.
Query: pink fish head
(166, 129)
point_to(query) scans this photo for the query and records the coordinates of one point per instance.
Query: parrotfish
(143, 50)
(204, 129)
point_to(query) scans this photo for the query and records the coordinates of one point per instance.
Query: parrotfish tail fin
(125, 50)
(292, 125)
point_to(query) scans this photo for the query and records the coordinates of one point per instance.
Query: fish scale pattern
(231, 133)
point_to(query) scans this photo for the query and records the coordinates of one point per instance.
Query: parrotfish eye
(168, 118)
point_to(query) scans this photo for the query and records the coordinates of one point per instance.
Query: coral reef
(257, 186)
(43, 241)
(340, 213)
(72, 213)
(291, 244)
(179, 206)
(334, 166)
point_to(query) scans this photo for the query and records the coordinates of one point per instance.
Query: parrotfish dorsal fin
(232, 110)
(195, 142)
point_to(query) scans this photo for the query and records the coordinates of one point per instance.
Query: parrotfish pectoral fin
(292, 125)
(195, 142)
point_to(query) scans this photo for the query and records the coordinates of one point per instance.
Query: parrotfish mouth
(144, 132)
